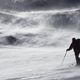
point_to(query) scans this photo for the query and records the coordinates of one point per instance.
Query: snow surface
(37, 64)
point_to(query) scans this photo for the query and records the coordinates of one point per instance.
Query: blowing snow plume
(39, 28)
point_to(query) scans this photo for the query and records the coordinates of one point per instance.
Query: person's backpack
(78, 43)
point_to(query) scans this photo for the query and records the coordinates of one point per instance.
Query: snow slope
(37, 64)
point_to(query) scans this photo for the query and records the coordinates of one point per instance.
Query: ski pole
(64, 57)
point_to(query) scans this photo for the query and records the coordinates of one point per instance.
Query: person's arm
(71, 46)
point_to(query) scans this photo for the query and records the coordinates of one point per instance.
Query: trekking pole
(64, 57)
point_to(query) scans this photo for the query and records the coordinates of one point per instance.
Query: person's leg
(77, 58)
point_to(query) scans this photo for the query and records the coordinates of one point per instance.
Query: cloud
(48, 4)
(38, 4)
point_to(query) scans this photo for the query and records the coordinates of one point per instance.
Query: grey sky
(38, 4)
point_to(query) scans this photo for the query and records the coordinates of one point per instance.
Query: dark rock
(11, 39)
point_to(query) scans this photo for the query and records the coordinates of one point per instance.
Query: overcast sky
(38, 4)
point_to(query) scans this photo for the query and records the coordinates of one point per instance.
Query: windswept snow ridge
(38, 28)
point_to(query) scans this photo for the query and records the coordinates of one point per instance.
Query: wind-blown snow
(50, 32)
(38, 28)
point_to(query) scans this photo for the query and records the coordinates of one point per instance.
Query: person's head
(73, 39)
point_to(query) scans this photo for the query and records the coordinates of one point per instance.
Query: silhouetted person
(75, 45)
